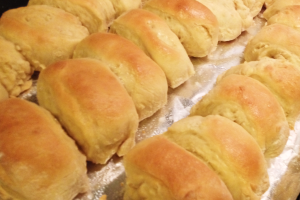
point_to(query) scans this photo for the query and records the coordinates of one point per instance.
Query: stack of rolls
(104, 66)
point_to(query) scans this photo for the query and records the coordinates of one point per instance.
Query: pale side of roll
(153, 35)
(3, 93)
(255, 6)
(194, 24)
(92, 105)
(158, 169)
(141, 76)
(122, 6)
(276, 41)
(228, 149)
(280, 77)
(37, 160)
(250, 104)
(42, 34)
(277, 6)
(96, 15)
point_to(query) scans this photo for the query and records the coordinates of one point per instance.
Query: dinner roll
(255, 6)
(92, 105)
(96, 15)
(3, 93)
(42, 34)
(277, 6)
(194, 24)
(143, 79)
(37, 158)
(250, 104)
(280, 77)
(15, 71)
(153, 35)
(157, 168)
(272, 42)
(228, 149)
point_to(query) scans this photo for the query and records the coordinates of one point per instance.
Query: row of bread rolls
(98, 100)
(240, 123)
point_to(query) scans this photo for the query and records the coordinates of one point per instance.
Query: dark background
(9, 4)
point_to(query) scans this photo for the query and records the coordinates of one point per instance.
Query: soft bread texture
(158, 169)
(272, 42)
(268, 3)
(289, 16)
(3, 93)
(42, 34)
(96, 15)
(92, 105)
(153, 35)
(278, 5)
(228, 149)
(194, 24)
(230, 22)
(122, 6)
(15, 71)
(255, 6)
(37, 160)
(143, 79)
(280, 77)
(250, 104)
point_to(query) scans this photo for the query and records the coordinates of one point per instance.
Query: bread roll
(122, 6)
(157, 169)
(228, 149)
(268, 3)
(250, 104)
(280, 77)
(92, 105)
(194, 24)
(96, 15)
(255, 6)
(230, 22)
(37, 160)
(272, 42)
(3, 93)
(288, 16)
(278, 5)
(42, 34)
(152, 34)
(143, 79)
(15, 71)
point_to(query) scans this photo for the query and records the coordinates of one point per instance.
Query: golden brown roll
(143, 79)
(230, 22)
(96, 15)
(92, 105)
(194, 24)
(3, 93)
(37, 160)
(42, 34)
(228, 149)
(277, 6)
(280, 77)
(289, 16)
(15, 71)
(276, 41)
(158, 169)
(153, 35)
(250, 104)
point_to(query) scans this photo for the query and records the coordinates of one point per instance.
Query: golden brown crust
(93, 106)
(275, 6)
(38, 160)
(143, 79)
(42, 34)
(194, 24)
(159, 169)
(94, 14)
(155, 38)
(280, 77)
(249, 103)
(228, 149)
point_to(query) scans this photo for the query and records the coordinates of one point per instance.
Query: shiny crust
(92, 105)
(96, 15)
(194, 24)
(159, 169)
(152, 34)
(143, 79)
(280, 77)
(42, 34)
(38, 160)
(228, 149)
(249, 103)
